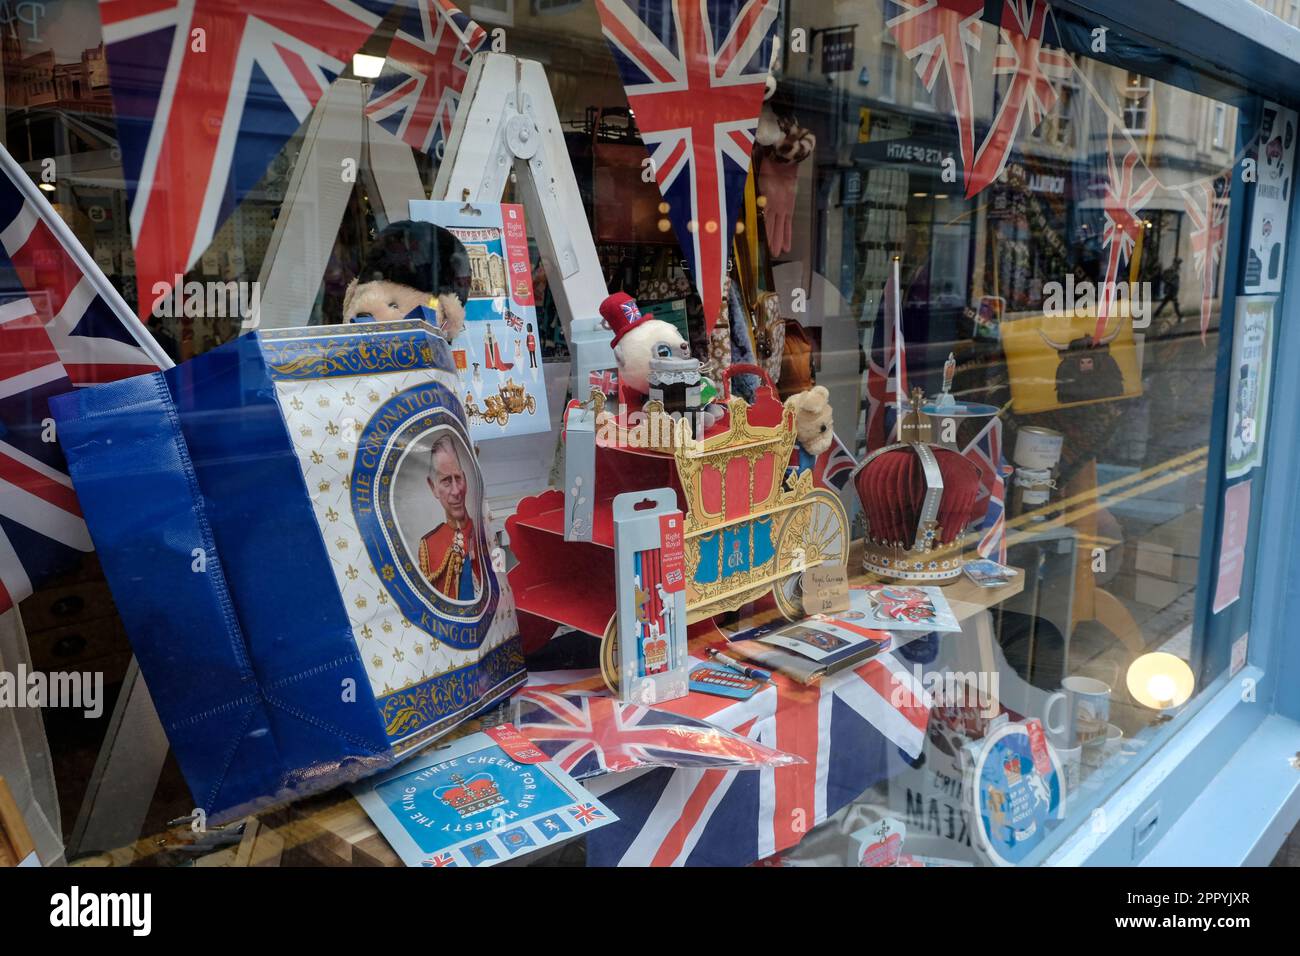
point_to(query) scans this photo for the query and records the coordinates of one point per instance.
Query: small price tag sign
(826, 589)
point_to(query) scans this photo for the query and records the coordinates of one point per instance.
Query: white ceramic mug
(1087, 708)
(1102, 749)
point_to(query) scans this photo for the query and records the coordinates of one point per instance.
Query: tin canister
(1037, 447)
(1033, 486)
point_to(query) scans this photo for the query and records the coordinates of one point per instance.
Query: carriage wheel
(503, 417)
(609, 654)
(532, 405)
(819, 527)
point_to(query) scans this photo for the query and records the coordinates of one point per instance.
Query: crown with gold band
(918, 498)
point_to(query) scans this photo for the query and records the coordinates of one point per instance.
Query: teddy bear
(654, 358)
(813, 425)
(411, 264)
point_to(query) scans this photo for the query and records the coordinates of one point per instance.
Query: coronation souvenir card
(498, 353)
(487, 798)
(901, 607)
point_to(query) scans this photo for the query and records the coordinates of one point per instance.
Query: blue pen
(757, 673)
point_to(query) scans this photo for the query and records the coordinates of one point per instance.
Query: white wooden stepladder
(507, 122)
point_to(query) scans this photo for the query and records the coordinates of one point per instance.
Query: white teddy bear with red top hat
(640, 341)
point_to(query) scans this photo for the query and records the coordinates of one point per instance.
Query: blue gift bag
(294, 531)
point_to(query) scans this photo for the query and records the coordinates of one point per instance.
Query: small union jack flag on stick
(62, 324)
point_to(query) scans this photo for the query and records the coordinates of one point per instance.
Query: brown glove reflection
(777, 182)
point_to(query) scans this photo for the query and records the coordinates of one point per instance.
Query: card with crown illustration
(498, 353)
(903, 607)
(486, 799)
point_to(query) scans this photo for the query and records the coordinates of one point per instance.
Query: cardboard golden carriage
(753, 524)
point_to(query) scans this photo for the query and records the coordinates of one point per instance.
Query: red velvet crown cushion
(892, 491)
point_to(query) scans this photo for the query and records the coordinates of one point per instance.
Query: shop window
(1045, 261)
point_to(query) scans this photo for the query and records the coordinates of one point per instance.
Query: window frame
(1239, 39)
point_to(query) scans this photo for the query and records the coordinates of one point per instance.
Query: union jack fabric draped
(985, 451)
(58, 329)
(848, 729)
(205, 94)
(588, 736)
(1208, 215)
(694, 72)
(415, 97)
(1122, 203)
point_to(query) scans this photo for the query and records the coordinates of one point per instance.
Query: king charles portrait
(448, 555)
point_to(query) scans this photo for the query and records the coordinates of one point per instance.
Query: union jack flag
(985, 452)
(416, 95)
(205, 94)
(440, 860)
(833, 467)
(1035, 71)
(584, 813)
(694, 73)
(61, 325)
(588, 736)
(846, 729)
(936, 33)
(1123, 225)
(1209, 218)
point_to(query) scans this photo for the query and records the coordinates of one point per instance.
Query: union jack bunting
(1123, 226)
(61, 325)
(694, 72)
(205, 94)
(416, 95)
(985, 452)
(589, 736)
(1035, 71)
(847, 729)
(1208, 215)
(936, 33)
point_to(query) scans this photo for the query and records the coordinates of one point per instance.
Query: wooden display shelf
(965, 596)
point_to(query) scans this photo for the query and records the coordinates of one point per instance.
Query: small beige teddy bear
(813, 423)
(386, 301)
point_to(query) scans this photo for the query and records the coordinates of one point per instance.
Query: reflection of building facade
(487, 272)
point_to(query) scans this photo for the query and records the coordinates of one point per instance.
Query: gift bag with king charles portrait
(293, 527)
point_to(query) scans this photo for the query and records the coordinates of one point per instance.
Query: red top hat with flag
(621, 314)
